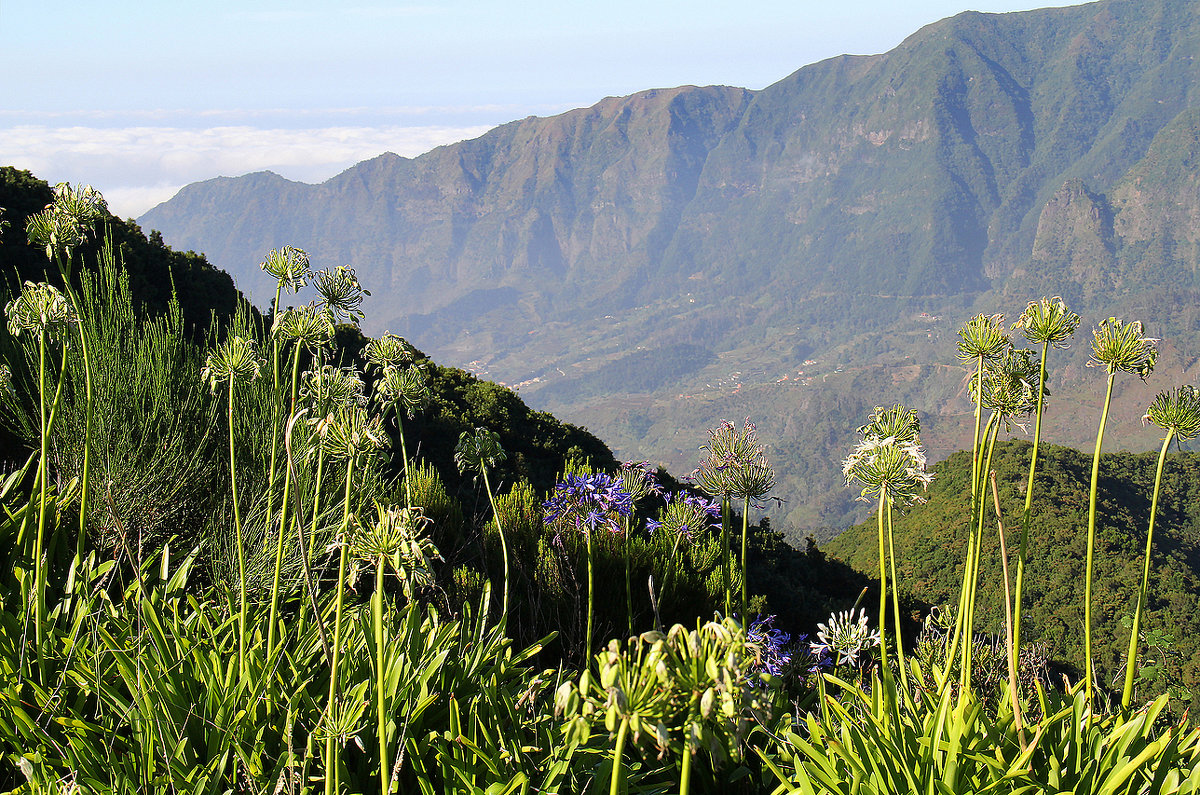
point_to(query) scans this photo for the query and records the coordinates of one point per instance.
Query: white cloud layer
(138, 167)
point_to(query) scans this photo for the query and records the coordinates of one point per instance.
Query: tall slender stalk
(1027, 512)
(725, 569)
(896, 600)
(380, 679)
(241, 547)
(334, 684)
(883, 587)
(1091, 542)
(283, 515)
(745, 560)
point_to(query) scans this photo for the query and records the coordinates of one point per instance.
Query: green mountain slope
(819, 237)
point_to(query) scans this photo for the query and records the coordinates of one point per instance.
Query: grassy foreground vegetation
(249, 563)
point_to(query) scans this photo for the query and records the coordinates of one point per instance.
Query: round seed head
(408, 388)
(686, 517)
(898, 422)
(327, 387)
(397, 535)
(349, 431)
(1048, 321)
(638, 480)
(983, 337)
(236, 359)
(308, 325)
(1118, 345)
(730, 450)
(389, 349)
(67, 220)
(1009, 386)
(895, 470)
(340, 292)
(289, 265)
(477, 451)
(1177, 410)
(40, 309)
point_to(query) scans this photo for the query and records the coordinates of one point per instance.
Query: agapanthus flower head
(236, 359)
(888, 468)
(289, 265)
(898, 422)
(327, 387)
(67, 220)
(639, 480)
(407, 387)
(1048, 321)
(1118, 345)
(587, 502)
(478, 451)
(1177, 410)
(845, 637)
(983, 337)
(350, 431)
(308, 325)
(1009, 386)
(389, 350)
(770, 644)
(686, 516)
(40, 309)
(398, 536)
(736, 464)
(340, 292)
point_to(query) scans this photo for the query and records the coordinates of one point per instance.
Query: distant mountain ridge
(988, 159)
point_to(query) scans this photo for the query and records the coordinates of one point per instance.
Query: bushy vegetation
(288, 558)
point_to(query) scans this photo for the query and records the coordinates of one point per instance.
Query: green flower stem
(241, 552)
(81, 541)
(404, 458)
(1131, 658)
(587, 642)
(628, 586)
(380, 676)
(725, 520)
(283, 518)
(745, 532)
(685, 778)
(312, 532)
(990, 433)
(1091, 541)
(883, 656)
(330, 747)
(1013, 694)
(614, 786)
(1027, 512)
(39, 572)
(896, 600)
(275, 408)
(504, 544)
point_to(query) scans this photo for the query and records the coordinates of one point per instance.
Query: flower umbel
(1009, 386)
(398, 536)
(1048, 321)
(40, 308)
(845, 637)
(983, 337)
(897, 422)
(585, 502)
(308, 325)
(736, 464)
(328, 387)
(406, 387)
(235, 359)
(889, 468)
(289, 265)
(478, 451)
(1120, 346)
(638, 480)
(1177, 410)
(68, 220)
(340, 292)
(686, 516)
(770, 645)
(389, 350)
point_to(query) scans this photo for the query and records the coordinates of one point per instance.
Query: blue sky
(140, 98)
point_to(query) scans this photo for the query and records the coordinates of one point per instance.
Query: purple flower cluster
(585, 502)
(774, 654)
